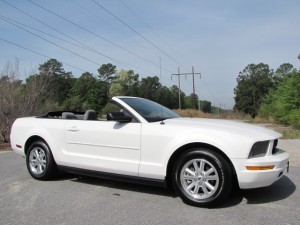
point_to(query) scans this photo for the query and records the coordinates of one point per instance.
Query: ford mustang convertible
(141, 141)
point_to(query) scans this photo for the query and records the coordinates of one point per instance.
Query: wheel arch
(188, 146)
(31, 140)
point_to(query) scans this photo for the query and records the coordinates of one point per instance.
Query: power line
(80, 44)
(90, 13)
(150, 50)
(77, 45)
(147, 25)
(40, 21)
(93, 33)
(143, 37)
(52, 42)
(38, 53)
(96, 18)
(86, 47)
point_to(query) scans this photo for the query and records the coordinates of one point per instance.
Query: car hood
(226, 127)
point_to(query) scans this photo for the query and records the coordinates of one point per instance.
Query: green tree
(175, 94)
(283, 103)
(284, 70)
(149, 88)
(166, 97)
(125, 83)
(205, 106)
(87, 93)
(191, 101)
(48, 89)
(60, 82)
(253, 83)
(106, 74)
(96, 97)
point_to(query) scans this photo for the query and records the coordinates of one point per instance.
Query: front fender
(233, 147)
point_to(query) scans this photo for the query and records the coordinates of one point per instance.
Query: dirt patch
(5, 147)
(276, 127)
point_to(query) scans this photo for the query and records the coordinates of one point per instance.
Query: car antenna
(162, 114)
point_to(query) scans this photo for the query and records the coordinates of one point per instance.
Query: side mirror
(119, 117)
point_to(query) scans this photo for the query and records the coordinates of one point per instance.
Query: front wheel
(40, 162)
(202, 177)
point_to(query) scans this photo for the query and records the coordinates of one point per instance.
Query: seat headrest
(90, 115)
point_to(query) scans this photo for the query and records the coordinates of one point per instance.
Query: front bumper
(261, 178)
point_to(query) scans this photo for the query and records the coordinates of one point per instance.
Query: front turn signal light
(260, 167)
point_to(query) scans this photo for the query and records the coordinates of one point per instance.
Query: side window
(110, 107)
(113, 107)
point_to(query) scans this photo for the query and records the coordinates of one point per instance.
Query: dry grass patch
(192, 113)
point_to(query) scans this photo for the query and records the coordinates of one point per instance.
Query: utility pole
(179, 98)
(194, 94)
(185, 74)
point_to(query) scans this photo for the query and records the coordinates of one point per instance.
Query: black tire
(202, 177)
(40, 162)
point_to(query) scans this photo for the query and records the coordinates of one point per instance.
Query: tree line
(54, 89)
(270, 94)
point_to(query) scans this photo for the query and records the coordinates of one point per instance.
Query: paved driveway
(81, 200)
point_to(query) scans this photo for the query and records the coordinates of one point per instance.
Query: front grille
(274, 150)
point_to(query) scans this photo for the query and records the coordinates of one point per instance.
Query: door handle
(73, 129)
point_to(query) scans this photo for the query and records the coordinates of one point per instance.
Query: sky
(154, 38)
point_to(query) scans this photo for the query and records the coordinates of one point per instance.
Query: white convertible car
(143, 142)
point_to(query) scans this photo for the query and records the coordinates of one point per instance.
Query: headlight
(259, 149)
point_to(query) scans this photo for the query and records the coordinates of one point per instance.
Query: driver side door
(106, 146)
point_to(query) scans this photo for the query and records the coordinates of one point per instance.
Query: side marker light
(260, 167)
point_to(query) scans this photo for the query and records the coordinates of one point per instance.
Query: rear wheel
(202, 177)
(40, 162)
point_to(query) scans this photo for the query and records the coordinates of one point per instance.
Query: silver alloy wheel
(37, 160)
(199, 178)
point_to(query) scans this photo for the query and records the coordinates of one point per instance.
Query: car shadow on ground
(280, 190)
(120, 185)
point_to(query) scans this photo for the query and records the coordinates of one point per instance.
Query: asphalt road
(81, 200)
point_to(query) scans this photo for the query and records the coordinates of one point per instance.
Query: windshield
(151, 111)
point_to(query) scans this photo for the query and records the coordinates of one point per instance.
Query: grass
(224, 115)
(291, 134)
